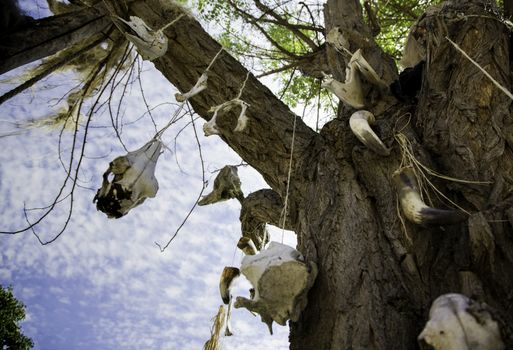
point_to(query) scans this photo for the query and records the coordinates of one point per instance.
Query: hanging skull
(150, 44)
(226, 186)
(133, 181)
(281, 280)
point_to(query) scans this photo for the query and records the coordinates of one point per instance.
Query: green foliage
(12, 312)
(395, 19)
(265, 45)
(260, 41)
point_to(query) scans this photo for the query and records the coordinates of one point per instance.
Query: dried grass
(215, 332)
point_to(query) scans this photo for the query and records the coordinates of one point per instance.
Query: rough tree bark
(47, 36)
(377, 276)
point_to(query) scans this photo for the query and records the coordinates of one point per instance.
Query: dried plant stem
(495, 82)
(215, 332)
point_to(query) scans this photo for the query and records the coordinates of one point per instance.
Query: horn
(227, 277)
(359, 124)
(247, 246)
(414, 208)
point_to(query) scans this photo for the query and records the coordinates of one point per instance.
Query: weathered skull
(459, 323)
(281, 280)
(226, 186)
(134, 181)
(150, 44)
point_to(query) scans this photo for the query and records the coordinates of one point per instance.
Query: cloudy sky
(104, 284)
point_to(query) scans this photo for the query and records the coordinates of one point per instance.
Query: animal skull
(281, 280)
(134, 181)
(459, 323)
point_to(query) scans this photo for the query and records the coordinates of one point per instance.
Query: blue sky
(104, 284)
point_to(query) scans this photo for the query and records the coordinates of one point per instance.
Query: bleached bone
(459, 323)
(336, 38)
(242, 121)
(226, 186)
(281, 280)
(359, 124)
(366, 69)
(414, 207)
(134, 181)
(228, 325)
(413, 51)
(200, 85)
(150, 44)
(247, 246)
(349, 92)
(210, 127)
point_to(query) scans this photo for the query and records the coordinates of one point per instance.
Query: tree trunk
(377, 278)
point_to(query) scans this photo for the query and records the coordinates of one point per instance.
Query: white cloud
(104, 284)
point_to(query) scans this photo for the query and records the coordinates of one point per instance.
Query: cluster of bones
(279, 274)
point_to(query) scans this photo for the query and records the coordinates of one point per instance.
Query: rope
(284, 211)
(159, 133)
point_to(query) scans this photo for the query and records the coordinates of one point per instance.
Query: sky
(104, 284)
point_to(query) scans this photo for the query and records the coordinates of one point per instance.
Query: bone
(350, 92)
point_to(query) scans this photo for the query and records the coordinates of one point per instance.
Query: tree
(12, 311)
(378, 271)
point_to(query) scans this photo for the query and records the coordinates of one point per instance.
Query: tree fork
(378, 277)
(266, 142)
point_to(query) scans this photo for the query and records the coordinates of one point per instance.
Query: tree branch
(254, 21)
(49, 35)
(283, 22)
(266, 141)
(259, 208)
(347, 15)
(57, 65)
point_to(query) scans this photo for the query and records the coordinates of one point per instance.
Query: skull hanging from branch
(459, 323)
(281, 280)
(150, 44)
(133, 181)
(226, 186)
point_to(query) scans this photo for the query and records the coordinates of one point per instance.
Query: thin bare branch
(204, 186)
(283, 22)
